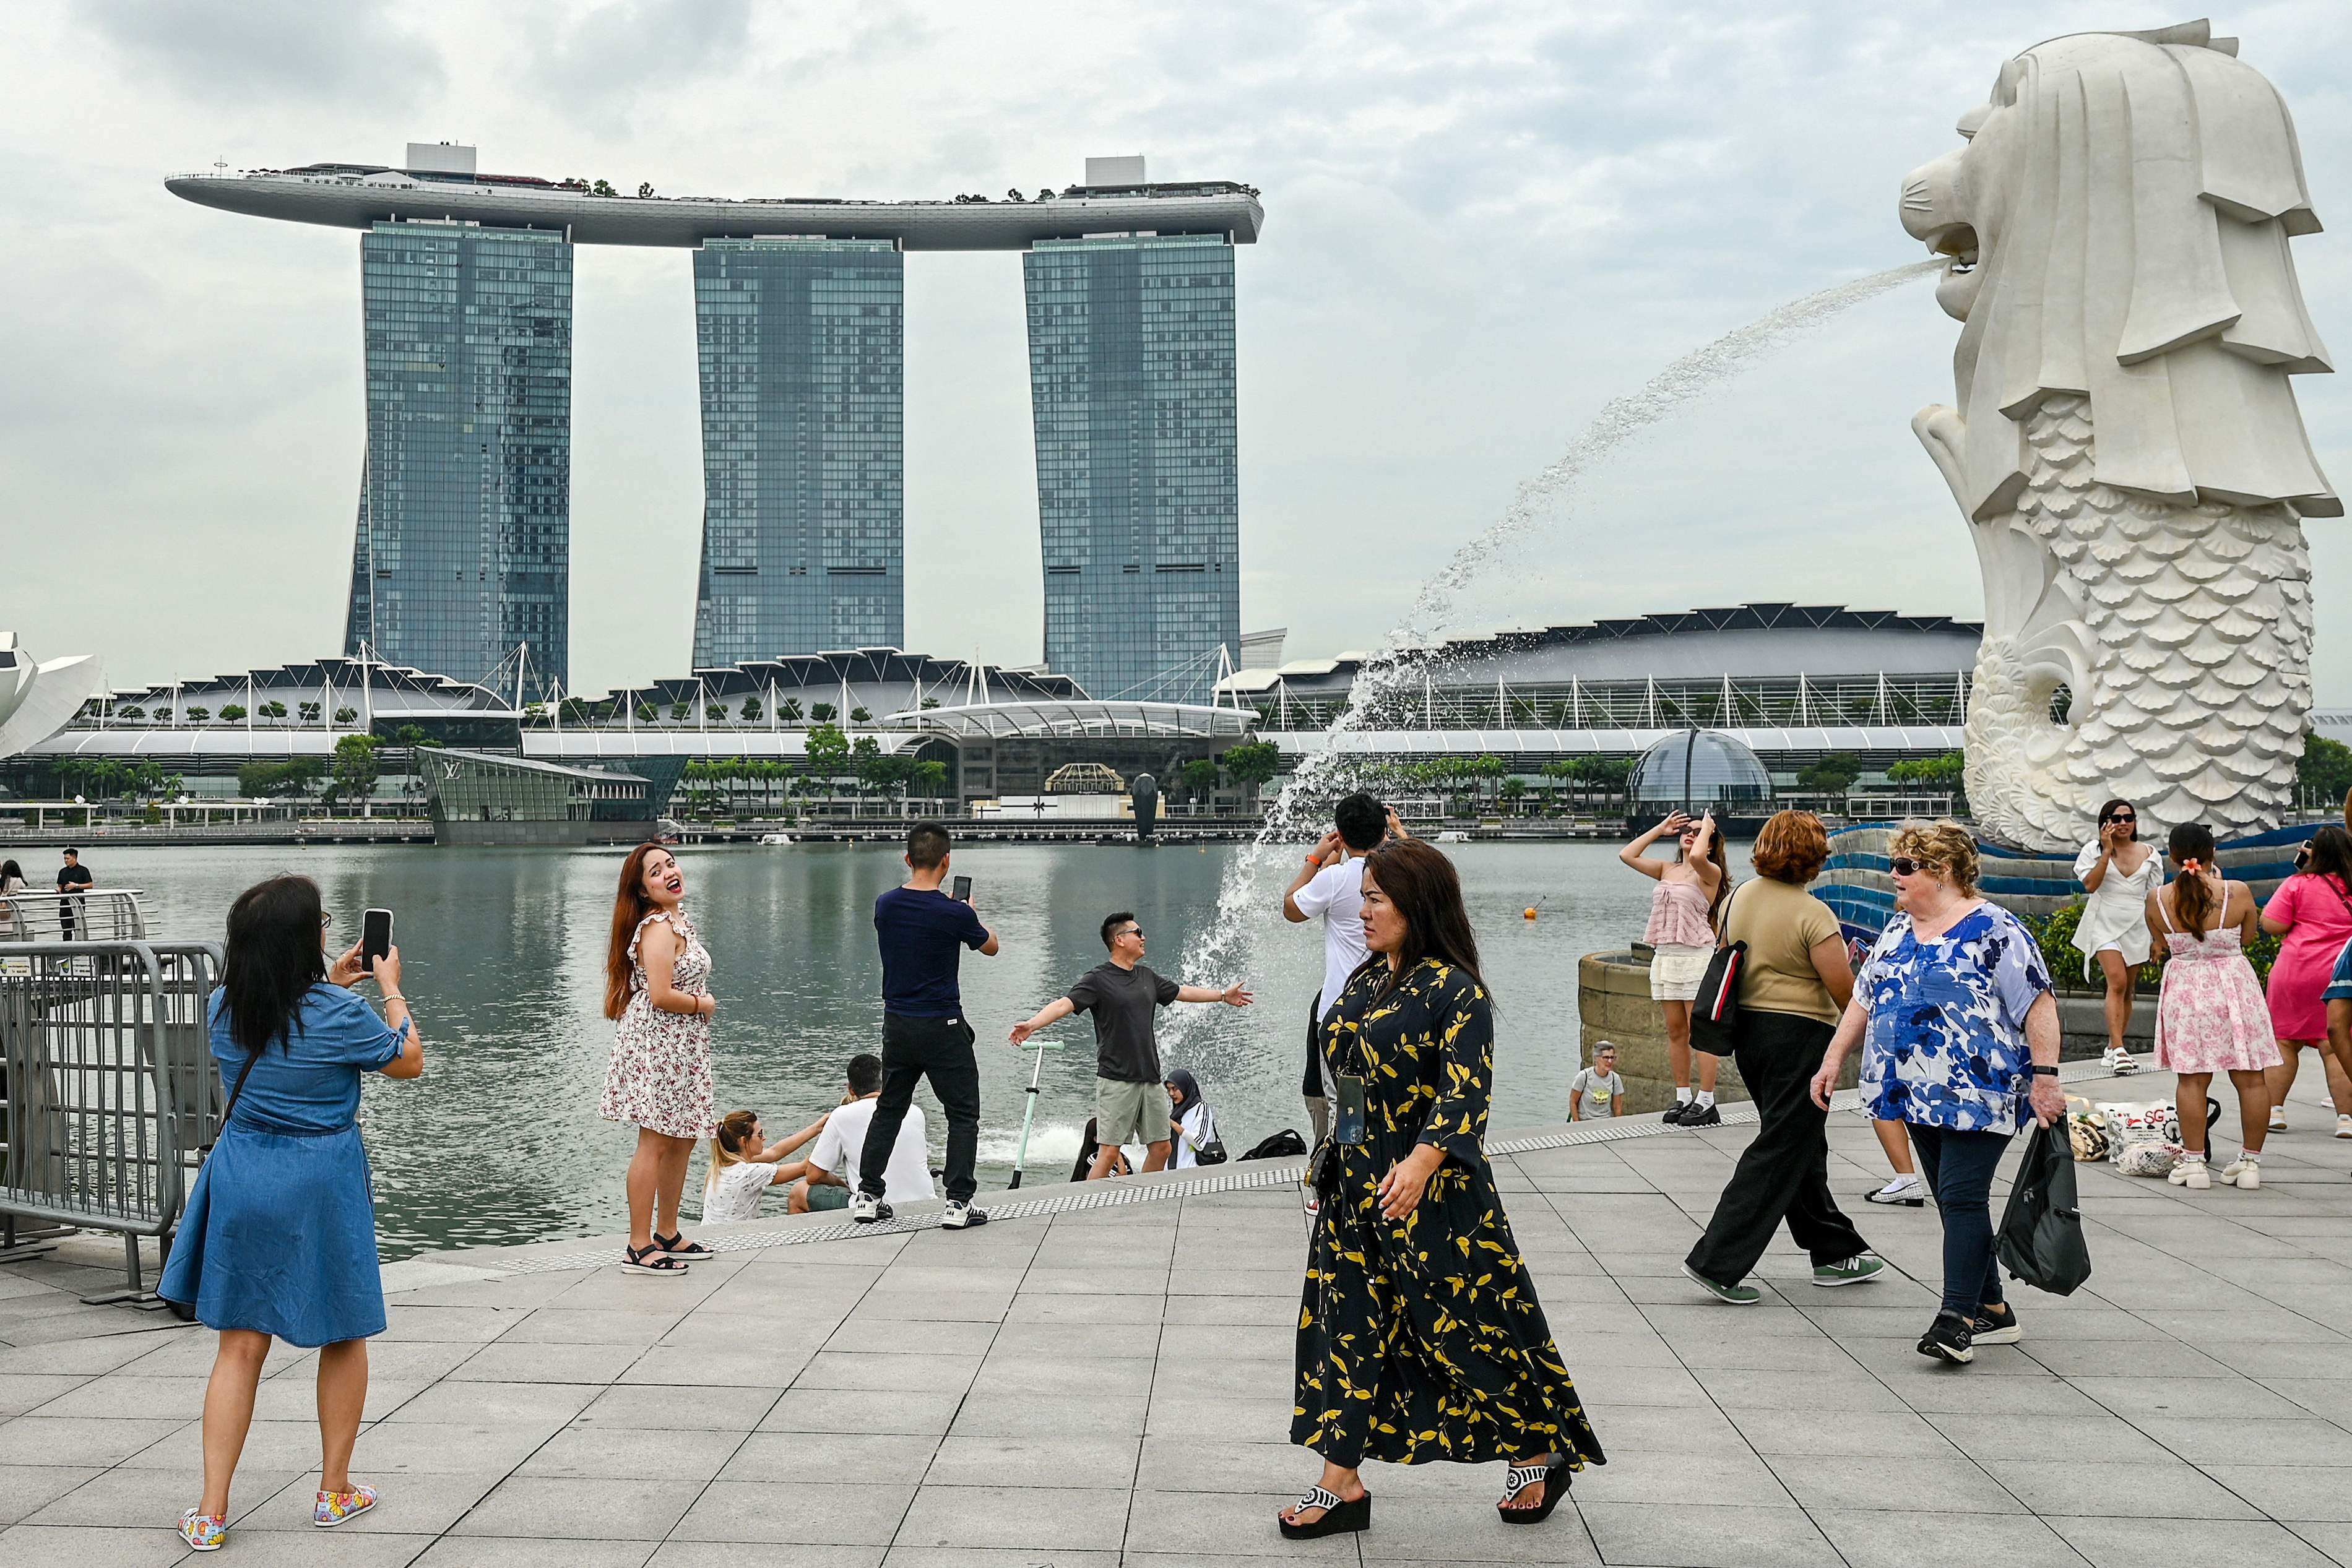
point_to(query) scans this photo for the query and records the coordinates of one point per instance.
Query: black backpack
(1285, 1145)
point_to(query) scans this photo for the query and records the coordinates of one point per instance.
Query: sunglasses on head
(1904, 865)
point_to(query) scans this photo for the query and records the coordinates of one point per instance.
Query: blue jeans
(1960, 1169)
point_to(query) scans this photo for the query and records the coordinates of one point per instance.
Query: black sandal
(1554, 1477)
(678, 1245)
(649, 1259)
(1339, 1518)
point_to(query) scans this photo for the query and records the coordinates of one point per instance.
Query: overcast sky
(1481, 222)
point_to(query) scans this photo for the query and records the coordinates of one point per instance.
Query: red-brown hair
(629, 910)
(1791, 848)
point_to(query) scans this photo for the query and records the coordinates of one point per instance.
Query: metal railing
(100, 914)
(108, 1090)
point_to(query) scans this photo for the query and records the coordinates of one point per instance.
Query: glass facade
(1131, 391)
(464, 543)
(801, 344)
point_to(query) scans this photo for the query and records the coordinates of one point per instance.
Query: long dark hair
(1427, 891)
(630, 908)
(9, 869)
(2331, 854)
(1709, 832)
(2107, 810)
(2191, 850)
(274, 958)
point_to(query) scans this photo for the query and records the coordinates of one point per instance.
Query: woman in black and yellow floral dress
(1421, 1338)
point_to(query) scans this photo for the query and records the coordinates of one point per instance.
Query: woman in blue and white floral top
(1959, 1036)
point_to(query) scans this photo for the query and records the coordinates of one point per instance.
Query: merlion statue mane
(2126, 447)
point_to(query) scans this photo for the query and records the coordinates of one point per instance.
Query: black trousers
(1960, 1169)
(1784, 1174)
(941, 1051)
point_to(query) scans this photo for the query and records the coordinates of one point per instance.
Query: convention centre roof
(1076, 717)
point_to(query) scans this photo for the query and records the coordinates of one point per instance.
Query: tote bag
(1716, 1010)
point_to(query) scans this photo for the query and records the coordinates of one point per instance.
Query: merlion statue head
(2118, 224)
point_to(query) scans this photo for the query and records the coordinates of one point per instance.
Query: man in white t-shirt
(1330, 886)
(833, 1165)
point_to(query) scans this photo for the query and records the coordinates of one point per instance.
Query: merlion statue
(2126, 449)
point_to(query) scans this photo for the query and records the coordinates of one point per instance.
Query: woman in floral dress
(657, 973)
(2209, 1015)
(1421, 1338)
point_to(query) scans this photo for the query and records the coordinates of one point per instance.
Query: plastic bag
(2143, 1136)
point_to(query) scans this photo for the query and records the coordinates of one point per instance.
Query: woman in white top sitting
(2118, 872)
(1189, 1118)
(743, 1165)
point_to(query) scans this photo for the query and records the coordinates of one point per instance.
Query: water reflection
(504, 951)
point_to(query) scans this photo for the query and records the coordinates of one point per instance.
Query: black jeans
(1960, 1168)
(1784, 1172)
(940, 1050)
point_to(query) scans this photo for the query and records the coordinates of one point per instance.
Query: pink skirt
(2210, 1016)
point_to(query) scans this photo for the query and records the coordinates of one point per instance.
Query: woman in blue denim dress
(278, 1240)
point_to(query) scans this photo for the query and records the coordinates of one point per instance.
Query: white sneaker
(1907, 1190)
(2344, 1126)
(2278, 1119)
(2119, 1061)
(865, 1208)
(961, 1215)
(2244, 1173)
(2193, 1175)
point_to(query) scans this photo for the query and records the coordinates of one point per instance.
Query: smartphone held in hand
(376, 936)
(960, 890)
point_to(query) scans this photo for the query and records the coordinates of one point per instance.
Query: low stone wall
(1612, 1003)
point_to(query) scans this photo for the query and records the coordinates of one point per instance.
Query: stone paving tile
(124, 1496)
(1208, 1526)
(582, 1450)
(783, 1458)
(2127, 1542)
(807, 1513)
(1034, 1462)
(2056, 1487)
(484, 1552)
(79, 1439)
(572, 1508)
(427, 1504)
(1703, 1536)
(25, 1490)
(1886, 1539)
(81, 1546)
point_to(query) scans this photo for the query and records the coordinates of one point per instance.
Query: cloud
(231, 51)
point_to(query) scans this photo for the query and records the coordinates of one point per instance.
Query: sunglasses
(2119, 816)
(1904, 865)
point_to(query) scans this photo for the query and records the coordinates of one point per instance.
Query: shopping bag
(2040, 1240)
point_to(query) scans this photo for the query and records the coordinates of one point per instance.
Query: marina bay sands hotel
(463, 542)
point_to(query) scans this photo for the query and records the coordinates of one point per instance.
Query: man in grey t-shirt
(1131, 1105)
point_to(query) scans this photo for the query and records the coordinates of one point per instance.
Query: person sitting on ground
(1124, 995)
(743, 1165)
(2208, 1015)
(1089, 1147)
(1596, 1091)
(1190, 1123)
(833, 1164)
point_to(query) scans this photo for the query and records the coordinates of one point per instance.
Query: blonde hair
(1944, 845)
(726, 1143)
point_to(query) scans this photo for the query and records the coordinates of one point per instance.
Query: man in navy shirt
(922, 933)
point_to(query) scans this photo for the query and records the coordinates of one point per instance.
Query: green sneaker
(1852, 1272)
(1737, 1295)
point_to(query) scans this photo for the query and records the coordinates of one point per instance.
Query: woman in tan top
(1792, 988)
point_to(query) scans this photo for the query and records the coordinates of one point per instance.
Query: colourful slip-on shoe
(335, 1508)
(203, 1532)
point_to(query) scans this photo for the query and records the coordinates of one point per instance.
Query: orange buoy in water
(1529, 914)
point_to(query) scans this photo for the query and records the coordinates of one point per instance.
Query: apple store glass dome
(1698, 770)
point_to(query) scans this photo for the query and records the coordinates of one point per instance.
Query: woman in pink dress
(657, 973)
(2209, 1015)
(2312, 911)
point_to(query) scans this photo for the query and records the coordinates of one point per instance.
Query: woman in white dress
(2118, 872)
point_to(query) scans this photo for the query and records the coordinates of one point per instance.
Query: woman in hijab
(1190, 1120)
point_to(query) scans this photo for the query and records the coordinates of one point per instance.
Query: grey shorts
(1131, 1113)
(827, 1197)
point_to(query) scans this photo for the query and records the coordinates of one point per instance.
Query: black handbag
(2040, 1240)
(1715, 1013)
(190, 1232)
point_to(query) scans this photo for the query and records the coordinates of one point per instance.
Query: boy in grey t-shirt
(1596, 1091)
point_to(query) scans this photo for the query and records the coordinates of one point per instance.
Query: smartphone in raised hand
(376, 937)
(960, 890)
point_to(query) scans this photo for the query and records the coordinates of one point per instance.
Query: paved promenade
(1084, 1386)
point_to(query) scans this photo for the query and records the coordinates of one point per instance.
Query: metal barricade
(97, 914)
(109, 1086)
